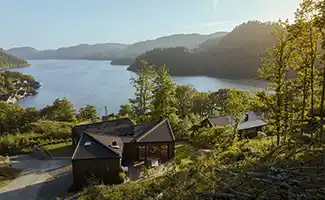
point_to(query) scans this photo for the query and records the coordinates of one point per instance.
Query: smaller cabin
(249, 126)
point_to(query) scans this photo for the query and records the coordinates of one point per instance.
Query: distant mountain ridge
(189, 41)
(237, 55)
(114, 51)
(80, 51)
(9, 61)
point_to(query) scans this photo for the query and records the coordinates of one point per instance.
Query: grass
(60, 150)
(7, 174)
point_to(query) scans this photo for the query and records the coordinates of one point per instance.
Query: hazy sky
(46, 24)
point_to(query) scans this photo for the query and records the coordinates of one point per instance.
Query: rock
(12, 100)
(35, 85)
(4, 97)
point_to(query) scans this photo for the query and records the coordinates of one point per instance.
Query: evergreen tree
(184, 100)
(144, 85)
(164, 94)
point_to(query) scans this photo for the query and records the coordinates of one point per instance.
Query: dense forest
(236, 55)
(9, 61)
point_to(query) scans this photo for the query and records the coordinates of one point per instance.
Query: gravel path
(36, 176)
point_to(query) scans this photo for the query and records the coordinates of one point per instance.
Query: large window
(153, 151)
(158, 150)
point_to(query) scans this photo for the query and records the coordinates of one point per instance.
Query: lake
(101, 84)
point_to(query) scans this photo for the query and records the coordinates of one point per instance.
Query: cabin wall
(129, 152)
(103, 170)
(250, 133)
(75, 136)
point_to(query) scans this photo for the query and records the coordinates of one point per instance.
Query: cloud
(206, 24)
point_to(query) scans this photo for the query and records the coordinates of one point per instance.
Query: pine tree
(164, 94)
(144, 86)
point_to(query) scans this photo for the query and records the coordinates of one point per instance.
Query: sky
(51, 24)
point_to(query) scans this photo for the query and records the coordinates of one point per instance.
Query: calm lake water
(101, 84)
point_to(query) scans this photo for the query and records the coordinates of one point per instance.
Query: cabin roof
(251, 124)
(254, 120)
(220, 120)
(105, 135)
(94, 150)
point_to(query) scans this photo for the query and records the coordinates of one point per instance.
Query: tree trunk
(322, 108)
(312, 57)
(286, 114)
(304, 94)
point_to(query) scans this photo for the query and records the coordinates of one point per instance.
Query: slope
(9, 61)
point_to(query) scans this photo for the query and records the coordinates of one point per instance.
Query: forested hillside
(236, 55)
(189, 41)
(9, 61)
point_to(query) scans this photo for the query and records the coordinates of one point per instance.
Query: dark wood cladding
(103, 170)
(129, 152)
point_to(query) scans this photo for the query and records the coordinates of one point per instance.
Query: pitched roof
(104, 136)
(157, 133)
(230, 120)
(251, 124)
(107, 141)
(123, 122)
(221, 120)
(94, 150)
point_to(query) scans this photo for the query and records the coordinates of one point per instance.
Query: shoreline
(4, 69)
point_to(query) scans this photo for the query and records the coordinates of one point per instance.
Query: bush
(52, 128)
(214, 137)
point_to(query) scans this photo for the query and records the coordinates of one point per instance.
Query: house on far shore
(103, 149)
(249, 126)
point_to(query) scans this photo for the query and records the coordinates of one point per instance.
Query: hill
(189, 41)
(82, 51)
(120, 53)
(9, 61)
(237, 55)
(208, 45)
(23, 52)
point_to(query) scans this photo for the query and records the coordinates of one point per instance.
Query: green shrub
(214, 137)
(49, 127)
